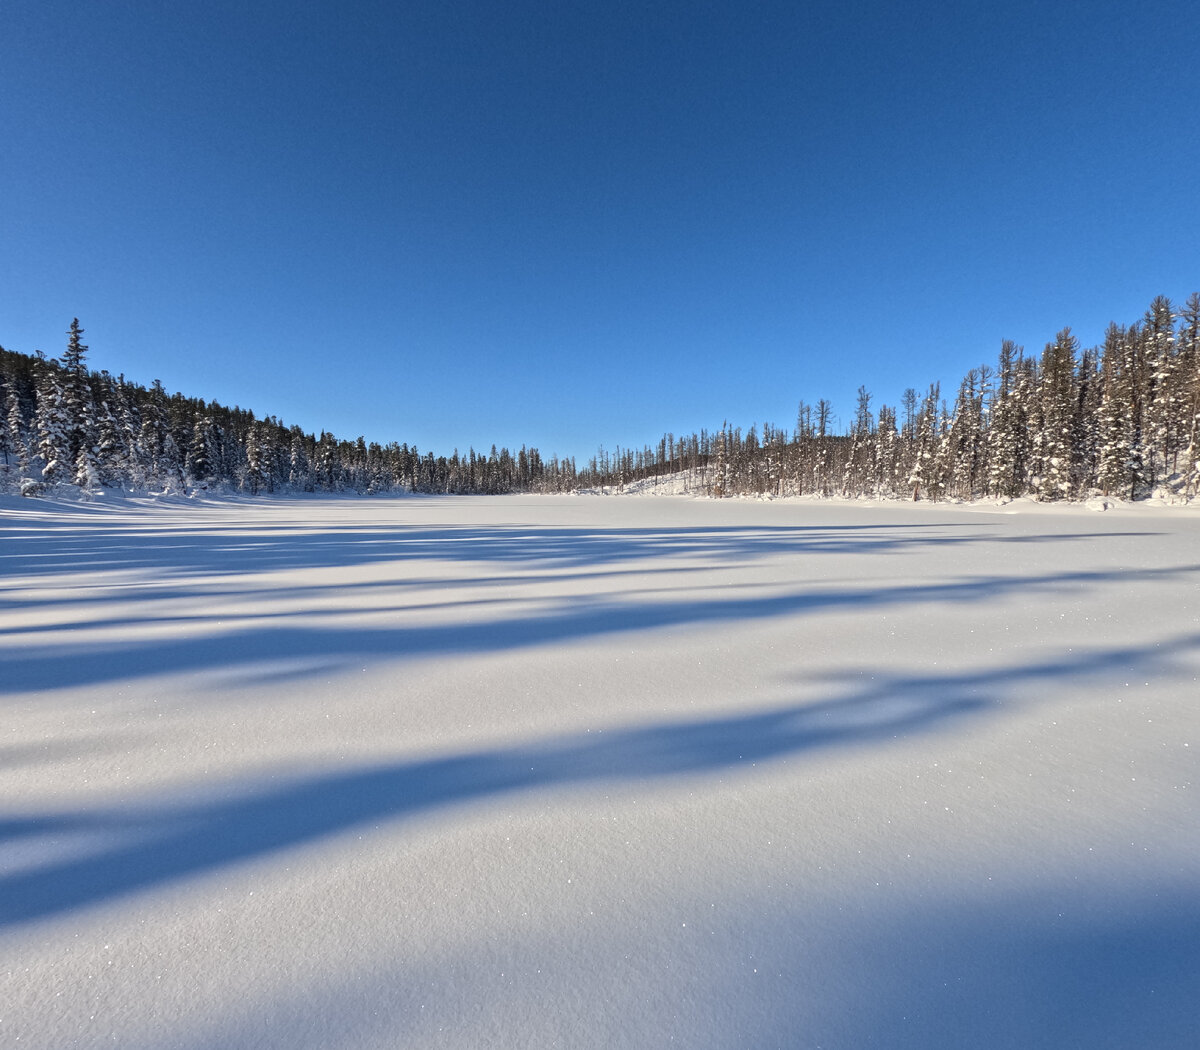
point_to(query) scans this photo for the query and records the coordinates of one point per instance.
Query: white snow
(587, 772)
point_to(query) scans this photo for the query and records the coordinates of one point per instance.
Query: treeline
(62, 425)
(1121, 419)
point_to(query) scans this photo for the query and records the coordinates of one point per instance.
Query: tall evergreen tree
(203, 458)
(1162, 410)
(860, 464)
(78, 412)
(1115, 474)
(257, 476)
(52, 437)
(15, 429)
(887, 453)
(1189, 384)
(1053, 448)
(6, 445)
(922, 471)
(110, 449)
(298, 468)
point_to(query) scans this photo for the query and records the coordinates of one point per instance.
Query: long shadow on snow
(206, 549)
(267, 640)
(77, 592)
(171, 844)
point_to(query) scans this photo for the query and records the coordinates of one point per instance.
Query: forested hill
(66, 426)
(1121, 419)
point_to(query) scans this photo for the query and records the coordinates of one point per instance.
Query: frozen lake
(598, 772)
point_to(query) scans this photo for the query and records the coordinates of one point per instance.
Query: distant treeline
(1121, 419)
(66, 426)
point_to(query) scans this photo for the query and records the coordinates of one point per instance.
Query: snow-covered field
(598, 772)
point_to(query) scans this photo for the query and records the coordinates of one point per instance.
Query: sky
(574, 224)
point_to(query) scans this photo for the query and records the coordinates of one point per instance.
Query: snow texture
(598, 772)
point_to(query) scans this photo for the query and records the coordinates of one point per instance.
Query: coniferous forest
(1121, 420)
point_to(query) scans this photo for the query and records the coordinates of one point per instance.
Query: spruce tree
(1161, 414)
(1114, 422)
(922, 471)
(5, 439)
(52, 434)
(298, 469)
(887, 453)
(202, 459)
(256, 477)
(78, 412)
(15, 429)
(1054, 424)
(860, 464)
(1189, 385)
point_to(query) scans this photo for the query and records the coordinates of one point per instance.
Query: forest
(1120, 419)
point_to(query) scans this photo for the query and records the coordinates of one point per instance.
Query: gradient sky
(569, 224)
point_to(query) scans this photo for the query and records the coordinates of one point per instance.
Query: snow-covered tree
(13, 424)
(1189, 385)
(1054, 429)
(887, 453)
(1162, 412)
(922, 472)
(257, 475)
(298, 468)
(1116, 473)
(6, 444)
(52, 435)
(859, 472)
(959, 459)
(203, 455)
(722, 481)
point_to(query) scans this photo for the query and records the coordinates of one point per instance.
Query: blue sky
(571, 224)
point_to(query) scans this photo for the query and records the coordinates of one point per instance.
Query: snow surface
(598, 772)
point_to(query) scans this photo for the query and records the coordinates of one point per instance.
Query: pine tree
(111, 457)
(6, 445)
(958, 463)
(87, 471)
(1134, 367)
(1114, 422)
(823, 460)
(1158, 353)
(51, 429)
(722, 481)
(257, 476)
(298, 469)
(803, 449)
(202, 456)
(158, 448)
(327, 467)
(860, 465)
(1086, 433)
(1055, 421)
(1189, 385)
(87, 465)
(78, 412)
(922, 472)
(887, 453)
(15, 429)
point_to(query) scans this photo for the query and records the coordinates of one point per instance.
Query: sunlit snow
(598, 772)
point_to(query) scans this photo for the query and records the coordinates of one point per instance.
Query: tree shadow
(154, 846)
(103, 565)
(507, 624)
(44, 546)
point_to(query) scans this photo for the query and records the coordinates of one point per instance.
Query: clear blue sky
(574, 223)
